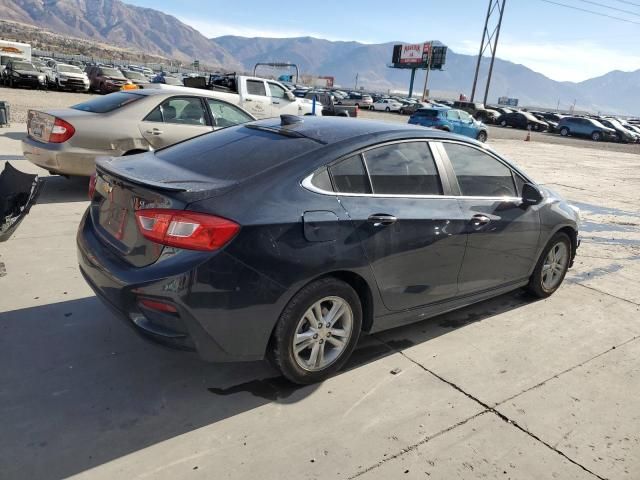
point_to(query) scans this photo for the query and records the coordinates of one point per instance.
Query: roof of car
(330, 130)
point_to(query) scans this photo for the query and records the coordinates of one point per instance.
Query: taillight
(61, 131)
(184, 229)
(92, 185)
(157, 305)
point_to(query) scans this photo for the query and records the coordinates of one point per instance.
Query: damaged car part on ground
(18, 192)
(362, 226)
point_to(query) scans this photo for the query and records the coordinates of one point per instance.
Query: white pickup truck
(261, 97)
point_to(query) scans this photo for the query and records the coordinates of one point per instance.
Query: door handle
(276, 103)
(248, 100)
(382, 220)
(479, 221)
(155, 131)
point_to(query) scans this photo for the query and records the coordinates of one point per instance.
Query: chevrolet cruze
(289, 237)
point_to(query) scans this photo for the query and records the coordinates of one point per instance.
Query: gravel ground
(499, 133)
(22, 100)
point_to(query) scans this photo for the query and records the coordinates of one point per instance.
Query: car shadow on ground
(79, 388)
(59, 189)
(13, 135)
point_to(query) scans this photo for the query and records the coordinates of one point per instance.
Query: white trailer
(11, 49)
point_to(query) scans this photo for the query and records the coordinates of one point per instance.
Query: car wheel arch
(355, 281)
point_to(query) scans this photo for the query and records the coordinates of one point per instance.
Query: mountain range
(151, 31)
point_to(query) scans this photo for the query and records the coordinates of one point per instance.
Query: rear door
(225, 114)
(503, 234)
(411, 233)
(175, 119)
(255, 98)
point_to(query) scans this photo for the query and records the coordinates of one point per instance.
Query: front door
(467, 127)
(453, 119)
(174, 120)
(503, 234)
(280, 104)
(411, 234)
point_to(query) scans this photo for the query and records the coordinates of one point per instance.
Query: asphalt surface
(508, 388)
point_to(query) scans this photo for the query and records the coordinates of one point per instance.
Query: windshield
(134, 76)
(108, 103)
(23, 66)
(111, 72)
(68, 69)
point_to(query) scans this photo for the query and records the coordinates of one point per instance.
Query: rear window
(235, 153)
(108, 103)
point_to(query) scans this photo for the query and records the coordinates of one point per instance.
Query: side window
(452, 115)
(180, 110)
(349, 176)
(225, 114)
(256, 87)
(519, 182)
(322, 180)
(479, 174)
(403, 169)
(465, 117)
(276, 91)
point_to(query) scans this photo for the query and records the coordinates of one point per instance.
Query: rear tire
(387, 109)
(551, 269)
(300, 327)
(503, 123)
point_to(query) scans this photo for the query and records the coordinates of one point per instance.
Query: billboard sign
(414, 53)
(417, 56)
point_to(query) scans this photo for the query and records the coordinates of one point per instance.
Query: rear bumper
(225, 311)
(61, 157)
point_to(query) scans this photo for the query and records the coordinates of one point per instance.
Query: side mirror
(531, 195)
(290, 96)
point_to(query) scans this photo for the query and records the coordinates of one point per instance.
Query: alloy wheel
(323, 333)
(555, 264)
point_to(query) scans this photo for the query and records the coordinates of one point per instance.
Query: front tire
(596, 136)
(482, 137)
(387, 109)
(552, 266)
(503, 123)
(564, 132)
(317, 331)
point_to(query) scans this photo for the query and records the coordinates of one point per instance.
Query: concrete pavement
(508, 388)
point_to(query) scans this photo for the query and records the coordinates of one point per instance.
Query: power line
(609, 7)
(629, 3)
(591, 11)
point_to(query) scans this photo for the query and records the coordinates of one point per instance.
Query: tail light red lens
(61, 131)
(92, 185)
(184, 229)
(157, 305)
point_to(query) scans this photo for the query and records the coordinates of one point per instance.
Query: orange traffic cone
(528, 137)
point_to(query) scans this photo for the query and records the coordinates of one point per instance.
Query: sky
(561, 43)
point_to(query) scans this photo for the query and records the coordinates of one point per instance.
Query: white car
(69, 77)
(387, 105)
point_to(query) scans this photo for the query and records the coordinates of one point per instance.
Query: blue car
(450, 120)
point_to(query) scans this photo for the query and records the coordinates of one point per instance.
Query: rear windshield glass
(427, 113)
(235, 153)
(108, 103)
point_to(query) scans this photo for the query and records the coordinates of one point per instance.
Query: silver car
(67, 141)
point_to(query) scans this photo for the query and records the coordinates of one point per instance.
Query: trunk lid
(124, 186)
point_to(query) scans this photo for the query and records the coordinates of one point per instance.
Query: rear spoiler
(191, 183)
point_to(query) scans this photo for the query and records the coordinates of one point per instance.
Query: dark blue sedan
(289, 237)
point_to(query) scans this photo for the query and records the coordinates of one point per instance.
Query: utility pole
(356, 87)
(490, 41)
(426, 78)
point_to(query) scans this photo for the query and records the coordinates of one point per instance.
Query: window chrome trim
(306, 183)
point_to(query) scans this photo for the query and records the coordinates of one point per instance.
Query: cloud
(575, 61)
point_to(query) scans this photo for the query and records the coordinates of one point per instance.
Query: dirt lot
(508, 388)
